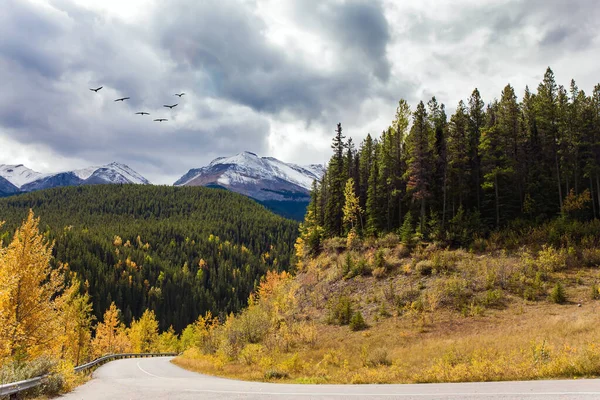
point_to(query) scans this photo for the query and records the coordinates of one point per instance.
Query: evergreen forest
(179, 252)
(504, 163)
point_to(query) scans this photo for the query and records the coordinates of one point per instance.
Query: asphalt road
(157, 378)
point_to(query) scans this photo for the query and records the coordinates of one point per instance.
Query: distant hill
(180, 251)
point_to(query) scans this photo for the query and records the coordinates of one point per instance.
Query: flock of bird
(180, 95)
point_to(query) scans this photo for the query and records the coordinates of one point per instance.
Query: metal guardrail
(17, 387)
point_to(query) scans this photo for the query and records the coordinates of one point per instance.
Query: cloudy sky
(269, 76)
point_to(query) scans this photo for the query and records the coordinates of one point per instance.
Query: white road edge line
(146, 372)
(395, 394)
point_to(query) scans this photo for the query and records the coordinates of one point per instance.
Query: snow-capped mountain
(18, 175)
(262, 178)
(27, 180)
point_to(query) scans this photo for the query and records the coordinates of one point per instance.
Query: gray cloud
(240, 83)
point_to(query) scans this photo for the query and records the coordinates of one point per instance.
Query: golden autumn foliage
(111, 336)
(144, 333)
(76, 320)
(29, 311)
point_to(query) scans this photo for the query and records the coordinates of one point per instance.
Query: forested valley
(176, 251)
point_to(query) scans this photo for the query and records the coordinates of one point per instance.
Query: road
(157, 378)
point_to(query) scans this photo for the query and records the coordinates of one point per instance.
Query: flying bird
(180, 94)
(96, 90)
(171, 107)
(142, 113)
(160, 120)
(122, 99)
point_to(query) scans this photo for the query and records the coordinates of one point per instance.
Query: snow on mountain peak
(248, 168)
(19, 175)
(24, 178)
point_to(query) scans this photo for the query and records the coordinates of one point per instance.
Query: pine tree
(400, 128)
(365, 163)
(476, 123)
(336, 181)
(458, 157)
(439, 123)
(548, 127)
(373, 204)
(420, 160)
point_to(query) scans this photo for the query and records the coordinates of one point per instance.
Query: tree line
(485, 167)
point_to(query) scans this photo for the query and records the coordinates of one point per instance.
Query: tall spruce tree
(420, 161)
(476, 123)
(337, 175)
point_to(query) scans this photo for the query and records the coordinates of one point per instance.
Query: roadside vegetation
(47, 321)
(447, 249)
(383, 312)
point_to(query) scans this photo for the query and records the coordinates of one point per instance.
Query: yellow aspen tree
(28, 287)
(168, 342)
(77, 319)
(144, 333)
(105, 341)
(352, 209)
(122, 341)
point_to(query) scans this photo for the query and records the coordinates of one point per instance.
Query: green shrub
(390, 240)
(595, 292)
(275, 374)
(356, 268)
(424, 267)
(383, 311)
(557, 294)
(379, 261)
(590, 257)
(407, 297)
(552, 260)
(406, 231)
(357, 322)
(340, 311)
(492, 298)
(16, 371)
(334, 245)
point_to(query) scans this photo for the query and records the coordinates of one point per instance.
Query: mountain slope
(7, 188)
(19, 175)
(262, 178)
(28, 180)
(284, 188)
(142, 245)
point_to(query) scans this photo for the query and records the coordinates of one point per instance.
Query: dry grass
(527, 341)
(468, 317)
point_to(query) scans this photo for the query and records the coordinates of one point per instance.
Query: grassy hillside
(178, 251)
(380, 311)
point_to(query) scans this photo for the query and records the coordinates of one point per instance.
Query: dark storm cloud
(226, 40)
(51, 55)
(49, 59)
(359, 27)
(241, 83)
